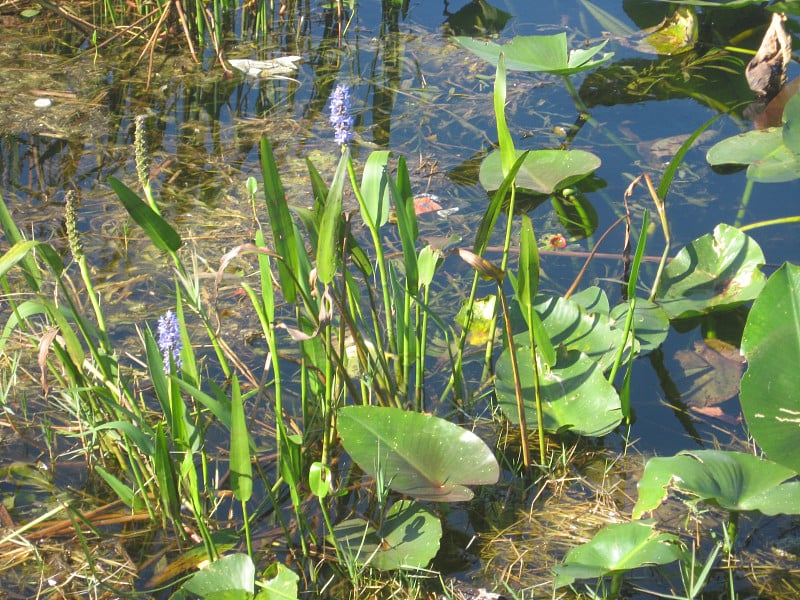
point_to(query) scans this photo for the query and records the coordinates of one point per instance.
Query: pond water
(418, 94)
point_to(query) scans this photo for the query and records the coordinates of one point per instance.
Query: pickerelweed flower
(341, 119)
(169, 340)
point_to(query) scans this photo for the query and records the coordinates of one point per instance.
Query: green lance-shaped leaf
(618, 548)
(280, 220)
(165, 475)
(21, 251)
(769, 394)
(407, 193)
(330, 226)
(155, 364)
(406, 225)
(528, 277)
(161, 233)
(123, 492)
(733, 481)
(241, 467)
(421, 455)
(13, 237)
(504, 139)
(528, 286)
(375, 188)
(486, 228)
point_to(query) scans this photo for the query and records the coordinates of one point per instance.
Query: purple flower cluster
(169, 340)
(341, 119)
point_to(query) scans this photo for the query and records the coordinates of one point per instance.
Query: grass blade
(241, 467)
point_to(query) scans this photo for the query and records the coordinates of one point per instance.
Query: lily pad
(575, 394)
(408, 538)
(716, 271)
(229, 578)
(733, 481)
(770, 395)
(538, 53)
(543, 171)
(423, 456)
(768, 159)
(618, 548)
(650, 323)
(577, 327)
(771, 154)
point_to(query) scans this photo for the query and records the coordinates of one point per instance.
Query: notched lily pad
(716, 271)
(538, 53)
(575, 394)
(423, 456)
(544, 171)
(617, 548)
(771, 154)
(733, 481)
(408, 538)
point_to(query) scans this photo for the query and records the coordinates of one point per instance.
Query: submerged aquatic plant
(169, 340)
(340, 118)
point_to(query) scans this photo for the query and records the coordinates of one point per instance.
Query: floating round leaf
(538, 53)
(420, 455)
(408, 538)
(716, 271)
(617, 548)
(544, 171)
(575, 394)
(734, 481)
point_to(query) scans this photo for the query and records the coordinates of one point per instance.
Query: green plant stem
(616, 585)
(330, 402)
(379, 259)
(246, 522)
(512, 352)
(503, 263)
(732, 528)
(573, 93)
(326, 516)
(93, 298)
(421, 317)
(748, 190)
(770, 223)
(537, 393)
(662, 218)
